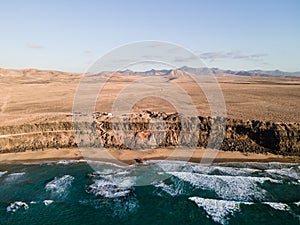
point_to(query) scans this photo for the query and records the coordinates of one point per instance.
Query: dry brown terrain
(40, 97)
(32, 96)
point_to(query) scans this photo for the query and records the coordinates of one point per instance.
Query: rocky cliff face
(36, 137)
(150, 130)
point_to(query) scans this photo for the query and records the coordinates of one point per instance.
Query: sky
(70, 35)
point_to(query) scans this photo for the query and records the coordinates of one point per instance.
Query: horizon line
(153, 69)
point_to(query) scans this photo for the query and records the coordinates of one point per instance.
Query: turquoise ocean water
(157, 192)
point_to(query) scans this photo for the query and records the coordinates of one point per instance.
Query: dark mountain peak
(182, 71)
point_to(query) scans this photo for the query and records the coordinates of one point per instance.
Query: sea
(154, 192)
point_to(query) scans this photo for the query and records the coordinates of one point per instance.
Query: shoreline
(130, 157)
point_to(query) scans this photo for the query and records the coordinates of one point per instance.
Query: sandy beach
(132, 157)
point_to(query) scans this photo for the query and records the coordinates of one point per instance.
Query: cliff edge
(138, 131)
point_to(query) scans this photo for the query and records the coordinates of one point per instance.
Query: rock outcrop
(150, 130)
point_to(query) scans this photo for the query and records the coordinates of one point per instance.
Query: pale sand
(131, 156)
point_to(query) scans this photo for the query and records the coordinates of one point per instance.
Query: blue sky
(70, 35)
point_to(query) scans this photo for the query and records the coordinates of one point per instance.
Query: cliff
(149, 130)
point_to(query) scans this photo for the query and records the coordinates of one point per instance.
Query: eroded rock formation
(150, 130)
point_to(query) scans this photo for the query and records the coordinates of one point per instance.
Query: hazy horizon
(138, 69)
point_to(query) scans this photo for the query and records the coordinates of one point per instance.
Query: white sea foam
(105, 172)
(234, 171)
(59, 185)
(2, 173)
(111, 172)
(179, 166)
(297, 203)
(14, 177)
(166, 188)
(122, 178)
(174, 166)
(278, 206)
(169, 166)
(258, 165)
(70, 161)
(228, 187)
(218, 210)
(64, 162)
(16, 174)
(112, 183)
(247, 203)
(172, 189)
(13, 207)
(287, 172)
(113, 187)
(48, 202)
(107, 189)
(97, 164)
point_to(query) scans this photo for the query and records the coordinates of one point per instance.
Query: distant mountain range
(215, 71)
(277, 73)
(182, 71)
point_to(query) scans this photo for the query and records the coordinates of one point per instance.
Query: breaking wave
(218, 210)
(14, 177)
(228, 187)
(13, 207)
(278, 206)
(59, 185)
(2, 173)
(48, 202)
(114, 191)
(111, 183)
(292, 172)
(107, 189)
